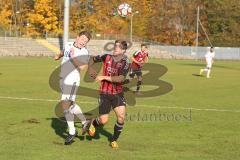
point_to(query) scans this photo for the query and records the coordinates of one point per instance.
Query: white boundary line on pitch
(88, 102)
(33, 99)
(28, 99)
(197, 109)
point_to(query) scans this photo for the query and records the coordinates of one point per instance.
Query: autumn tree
(43, 18)
(5, 14)
(223, 22)
(105, 20)
(171, 22)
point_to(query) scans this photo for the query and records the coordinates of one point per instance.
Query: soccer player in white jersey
(209, 61)
(75, 57)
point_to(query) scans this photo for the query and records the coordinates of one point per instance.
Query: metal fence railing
(227, 53)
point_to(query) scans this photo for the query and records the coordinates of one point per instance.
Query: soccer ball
(124, 10)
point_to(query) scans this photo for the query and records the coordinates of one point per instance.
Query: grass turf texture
(30, 129)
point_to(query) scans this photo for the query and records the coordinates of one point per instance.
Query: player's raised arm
(117, 79)
(96, 59)
(59, 56)
(120, 78)
(92, 60)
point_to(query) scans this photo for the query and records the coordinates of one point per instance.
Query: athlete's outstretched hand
(100, 78)
(57, 57)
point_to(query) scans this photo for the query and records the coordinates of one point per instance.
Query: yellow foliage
(43, 18)
(5, 15)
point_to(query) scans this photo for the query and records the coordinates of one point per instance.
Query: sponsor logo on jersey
(111, 70)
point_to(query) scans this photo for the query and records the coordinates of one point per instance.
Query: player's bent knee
(103, 120)
(121, 118)
(66, 104)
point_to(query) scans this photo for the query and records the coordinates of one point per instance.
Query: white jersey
(209, 56)
(68, 70)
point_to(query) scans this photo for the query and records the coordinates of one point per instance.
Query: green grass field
(202, 116)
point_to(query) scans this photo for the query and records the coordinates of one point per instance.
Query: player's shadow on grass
(59, 126)
(197, 75)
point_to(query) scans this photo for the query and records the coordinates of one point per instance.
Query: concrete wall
(11, 46)
(22, 47)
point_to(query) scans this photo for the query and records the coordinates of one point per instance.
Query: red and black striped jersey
(140, 57)
(112, 68)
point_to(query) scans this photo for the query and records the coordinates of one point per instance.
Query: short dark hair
(123, 44)
(86, 33)
(144, 45)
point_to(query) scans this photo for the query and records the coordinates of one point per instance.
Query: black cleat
(69, 139)
(126, 81)
(85, 127)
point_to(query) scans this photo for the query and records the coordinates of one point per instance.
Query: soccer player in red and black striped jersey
(115, 69)
(139, 58)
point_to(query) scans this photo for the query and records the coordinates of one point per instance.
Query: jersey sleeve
(125, 68)
(135, 54)
(99, 58)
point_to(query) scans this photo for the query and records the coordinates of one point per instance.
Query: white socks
(76, 110)
(70, 121)
(208, 73)
(69, 115)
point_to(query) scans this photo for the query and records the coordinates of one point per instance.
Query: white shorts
(209, 65)
(69, 87)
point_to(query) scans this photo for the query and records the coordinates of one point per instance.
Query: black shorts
(108, 102)
(135, 72)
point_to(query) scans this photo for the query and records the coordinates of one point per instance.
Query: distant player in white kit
(209, 61)
(75, 57)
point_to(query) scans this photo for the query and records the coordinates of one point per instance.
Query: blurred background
(171, 22)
